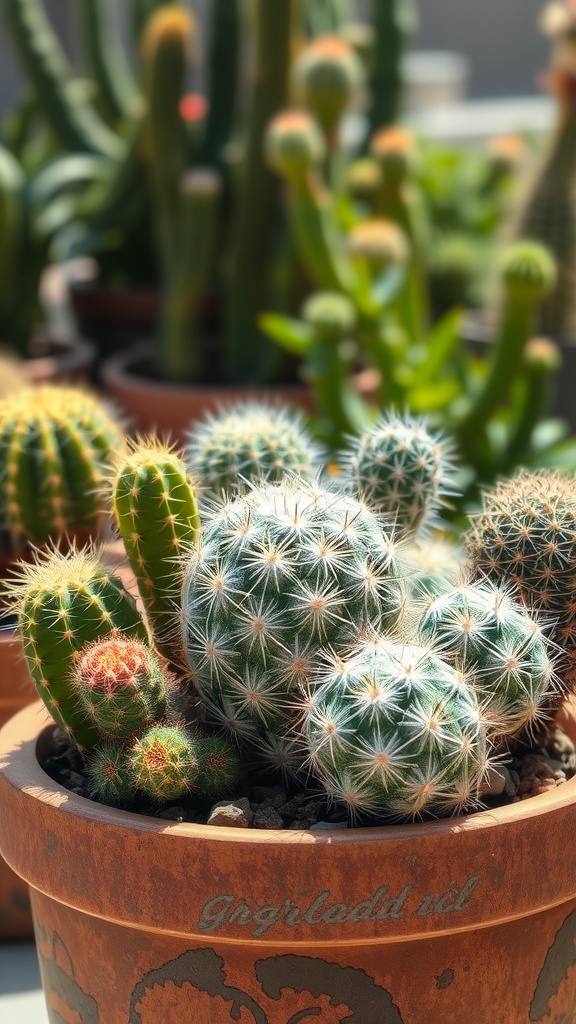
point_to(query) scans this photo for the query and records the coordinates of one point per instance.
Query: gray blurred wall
(499, 37)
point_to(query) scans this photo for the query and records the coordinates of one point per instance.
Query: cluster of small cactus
(56, 449)
(309, 626)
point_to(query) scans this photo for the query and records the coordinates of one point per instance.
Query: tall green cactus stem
(526, 535)
(249, 443)
(223, 71)
(401, 470)
(121, 685)
(56, 449)
(64, 602)
(326, 16)
(283, 573)
(12, 226)
(259, 209)
(164, 763)
(400, 201)
(118, 93)
(499, 647)
(528, 275)
(549, 216)
(541, 363)
(156, 513)
(294, 149)
(73, 120)
(394, 21)
(329, 368)
(394, 733)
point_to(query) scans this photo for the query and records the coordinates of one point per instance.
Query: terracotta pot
(16, 692)
(141, 921)
(170, 409)
(58, 358)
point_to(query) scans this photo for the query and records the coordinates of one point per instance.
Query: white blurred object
(476, 121)
(435, 78)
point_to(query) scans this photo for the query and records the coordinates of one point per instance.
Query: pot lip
(30, 729)
(117, 372)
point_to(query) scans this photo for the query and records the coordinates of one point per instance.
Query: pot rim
(426, 886)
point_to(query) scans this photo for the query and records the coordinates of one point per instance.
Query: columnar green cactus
(56, 449)
(157, 516)
(526, 535)
(393, 732)
(500, 648)
(528, 274)
(399, 469)
(394, 21)
(69, 113)
(249, 443)
(282, 573)
(63, 603)
(223, 72)
(121, 685)
(117, 90)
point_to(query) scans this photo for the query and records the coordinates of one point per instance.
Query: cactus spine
(282, 572)
(64, 602)
(157, 516)
(393, 732)
(56, 449)
(249, 443)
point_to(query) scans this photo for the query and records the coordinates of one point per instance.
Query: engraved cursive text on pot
(382, 905)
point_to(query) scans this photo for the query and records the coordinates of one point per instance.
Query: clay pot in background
(113, 320)
(170, 409)
(142, 920)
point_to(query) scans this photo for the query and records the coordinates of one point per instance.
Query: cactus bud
(327, 78)
(528, 271)
(363, 179)
(543, 355)
(379, 243)
(121, 685)
(294, 144)
(332, 316)
(170, 25)
(394, 150)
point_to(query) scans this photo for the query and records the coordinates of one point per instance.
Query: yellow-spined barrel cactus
(401, 470)
(282, 573)
(56, 447)
(394, 732)
(248, 443)
(499, 647)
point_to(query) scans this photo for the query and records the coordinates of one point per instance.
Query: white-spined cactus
(395, 733)
(502, 649)
(247, 443)
(284, 572)
(400, 469)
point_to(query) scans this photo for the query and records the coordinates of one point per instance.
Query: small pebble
(172, 814)
(494, 783)
(267, 817)
(232, 813)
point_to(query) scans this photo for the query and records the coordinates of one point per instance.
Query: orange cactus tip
(168, 25)
(393, 142)
(116, 661)
(380, 242)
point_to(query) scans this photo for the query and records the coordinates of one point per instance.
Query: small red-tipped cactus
(122, 686)
(165, 763)
(220, 768)
(110, 775)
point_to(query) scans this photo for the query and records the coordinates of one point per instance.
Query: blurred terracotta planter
(140, 921)
(113, 319)
(170, 409)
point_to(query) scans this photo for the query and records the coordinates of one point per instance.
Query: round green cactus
(327, 77)
(121, 685)
(332, 316)
(529, 271)
(220, 768)
(56, 448)
(164, 763)
(294, 144)
(394, 733)
(526, 535)
(283, 572)
(378, 244)
(248, 443)
(430, 569)
(110, 774)
(501, 649)
(401, 470)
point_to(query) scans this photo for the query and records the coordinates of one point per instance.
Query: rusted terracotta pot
(16, 691)
(170, 409)
(141, 921)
